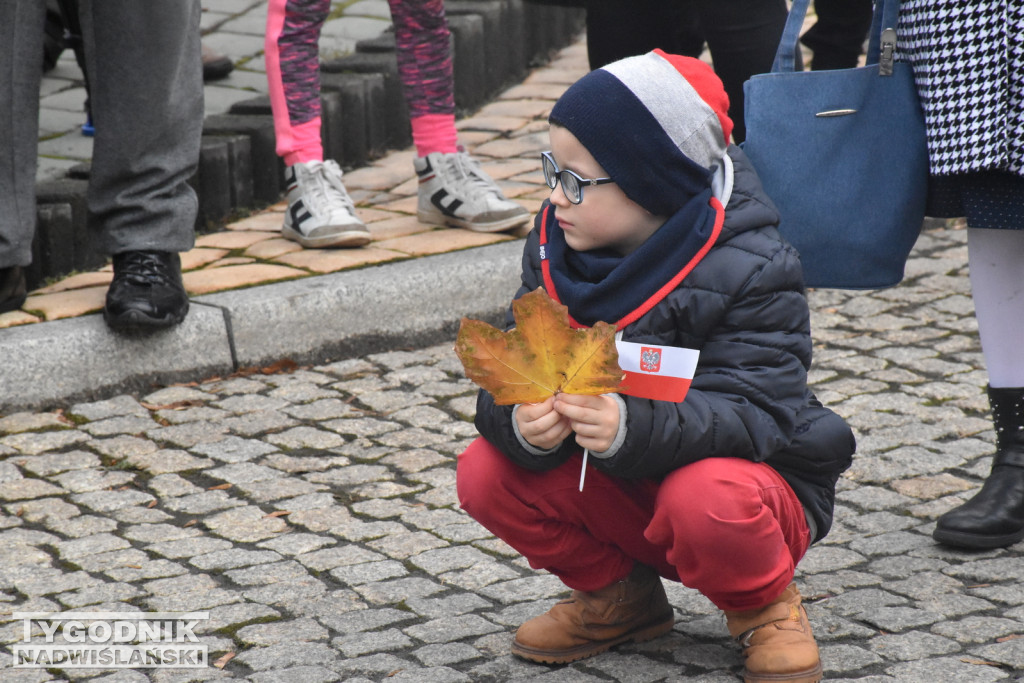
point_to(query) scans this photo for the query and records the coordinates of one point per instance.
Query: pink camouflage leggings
(293, 68)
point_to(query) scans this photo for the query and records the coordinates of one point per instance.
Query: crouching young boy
(657, 225)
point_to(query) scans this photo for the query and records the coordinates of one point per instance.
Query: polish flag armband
(653, 371)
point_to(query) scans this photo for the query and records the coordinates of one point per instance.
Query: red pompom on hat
(706, 82)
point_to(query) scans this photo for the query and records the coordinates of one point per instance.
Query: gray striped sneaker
(455, 191)
(320, 212)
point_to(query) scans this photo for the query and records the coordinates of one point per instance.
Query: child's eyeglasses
(572, 183)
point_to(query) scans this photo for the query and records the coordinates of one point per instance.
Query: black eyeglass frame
(573, 191)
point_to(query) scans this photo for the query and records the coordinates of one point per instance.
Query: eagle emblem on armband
(650, 359)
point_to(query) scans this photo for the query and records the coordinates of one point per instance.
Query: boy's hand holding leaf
(541, 357)
(541, 425)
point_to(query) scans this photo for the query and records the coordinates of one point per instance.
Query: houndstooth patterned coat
(968, 61)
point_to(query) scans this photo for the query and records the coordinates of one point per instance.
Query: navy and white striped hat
(657, 123)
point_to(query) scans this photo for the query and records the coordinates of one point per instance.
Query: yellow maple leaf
(542, 356)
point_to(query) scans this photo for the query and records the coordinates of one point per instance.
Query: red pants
(727, 527)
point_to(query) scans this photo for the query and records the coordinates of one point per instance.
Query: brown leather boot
(777, 641)
(586, 624)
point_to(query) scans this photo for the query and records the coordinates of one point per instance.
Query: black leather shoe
(215, 65)
(12, 288)
(146, 292)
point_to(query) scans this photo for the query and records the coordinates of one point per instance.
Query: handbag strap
(885, 15)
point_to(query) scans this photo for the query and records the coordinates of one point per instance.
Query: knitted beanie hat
(657, 123)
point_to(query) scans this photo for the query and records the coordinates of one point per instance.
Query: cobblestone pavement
(312, 512)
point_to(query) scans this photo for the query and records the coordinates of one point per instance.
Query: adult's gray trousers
(146, 97)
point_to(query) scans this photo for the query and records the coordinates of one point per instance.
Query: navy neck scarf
(602, 285)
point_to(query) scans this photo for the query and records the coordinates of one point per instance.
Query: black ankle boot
(994, 517)
(12, 288)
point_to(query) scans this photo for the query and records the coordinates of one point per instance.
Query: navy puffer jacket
(743, 307)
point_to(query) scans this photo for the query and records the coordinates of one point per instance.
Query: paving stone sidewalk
(312, 512)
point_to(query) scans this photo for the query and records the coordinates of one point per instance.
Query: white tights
(996, 259)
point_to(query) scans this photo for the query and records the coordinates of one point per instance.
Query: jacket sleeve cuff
(620, 436)
(527, 446)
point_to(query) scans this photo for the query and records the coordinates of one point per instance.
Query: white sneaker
(455, 191)
(320, 212)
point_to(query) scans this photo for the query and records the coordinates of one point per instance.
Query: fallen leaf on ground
(177, 405)
(222, 661)
(285, 366)
(541, 357)
(979, 662)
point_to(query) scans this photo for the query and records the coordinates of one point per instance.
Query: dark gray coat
(743, 308)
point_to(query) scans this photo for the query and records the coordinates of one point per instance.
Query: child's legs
(588, 539)
(292, 57)
(733, 529)
(424, 56)
(423, 47)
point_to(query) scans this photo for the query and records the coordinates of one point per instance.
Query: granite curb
(318, 319)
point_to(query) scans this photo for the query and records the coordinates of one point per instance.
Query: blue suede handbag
(844, 157)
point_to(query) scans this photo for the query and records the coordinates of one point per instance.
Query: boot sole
(575, 654)
(347, 239)
(12, 304)
(132, 321)
(437, 218)
(965, 539)
(810, 676)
